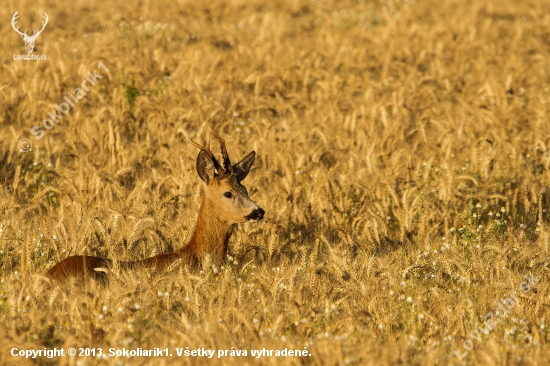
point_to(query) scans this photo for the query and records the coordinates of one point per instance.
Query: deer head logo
(29, 40)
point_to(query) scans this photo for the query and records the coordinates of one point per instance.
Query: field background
(403, 162)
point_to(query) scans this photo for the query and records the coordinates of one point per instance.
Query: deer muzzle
(256, 215)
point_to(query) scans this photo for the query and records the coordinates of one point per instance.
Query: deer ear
(205, 167)
(242, 168)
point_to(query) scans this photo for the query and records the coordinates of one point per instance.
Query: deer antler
(226, 162)
(13, 19)
(206, 149)
(35, 33)
(46, 18)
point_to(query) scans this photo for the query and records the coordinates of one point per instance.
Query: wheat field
(403, 156)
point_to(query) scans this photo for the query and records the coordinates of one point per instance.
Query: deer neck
(211, 236)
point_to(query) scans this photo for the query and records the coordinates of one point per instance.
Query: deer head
(29, 40)
(226, 197)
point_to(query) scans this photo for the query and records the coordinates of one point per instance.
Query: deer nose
(256, 215)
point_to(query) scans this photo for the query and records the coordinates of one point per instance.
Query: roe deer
(225, 203)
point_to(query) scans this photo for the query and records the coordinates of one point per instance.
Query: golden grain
(380, 128)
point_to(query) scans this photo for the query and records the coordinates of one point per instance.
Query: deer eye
(228, 195)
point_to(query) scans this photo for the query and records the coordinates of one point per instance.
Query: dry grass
(387, 132)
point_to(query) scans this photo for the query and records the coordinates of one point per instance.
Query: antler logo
(29, 40)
